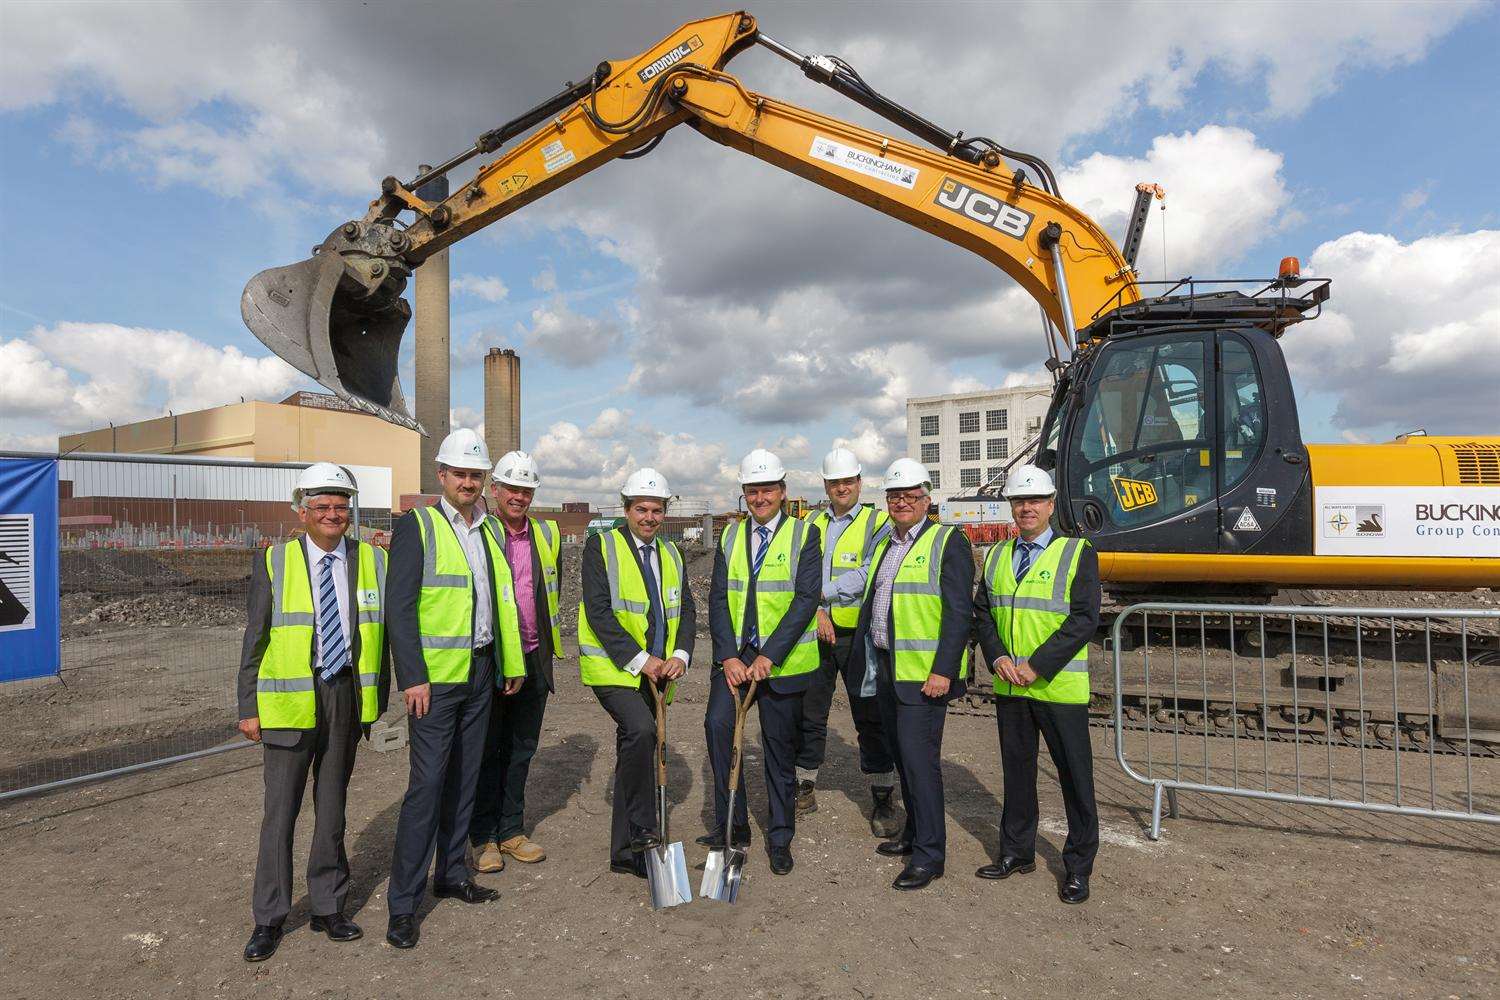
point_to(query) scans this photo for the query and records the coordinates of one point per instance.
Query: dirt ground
(140, 887)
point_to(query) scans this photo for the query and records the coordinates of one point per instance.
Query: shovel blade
(722, 873)
(324, 323)
(666, 873)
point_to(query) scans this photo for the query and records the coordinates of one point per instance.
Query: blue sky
(105, 228)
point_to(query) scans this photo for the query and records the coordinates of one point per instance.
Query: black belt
(488, 649)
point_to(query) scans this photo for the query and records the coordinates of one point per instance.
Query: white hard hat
(463, 449)
(840, 463)
(517, 468)
(1028, 481)
(322, 477)
(905, 473)
(646, 482)
(760, 466)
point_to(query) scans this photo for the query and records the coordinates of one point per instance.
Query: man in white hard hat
(455, 634)
(532, 547)
(765, 592)
(1037, 609)
(849, 531)
(636, 626)
(911, 644)
(314, 674)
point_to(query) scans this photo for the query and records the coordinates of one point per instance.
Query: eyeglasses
(329, 510)
(905, 499)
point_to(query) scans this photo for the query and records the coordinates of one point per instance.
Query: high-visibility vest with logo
(1029, 610)
(851, 552)
(630, 602)
(284, 696)
(548, 544)
(775, 586)
(445, 607)
(916, 604)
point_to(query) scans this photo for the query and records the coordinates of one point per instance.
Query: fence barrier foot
(1156, 791)
(1172, 803)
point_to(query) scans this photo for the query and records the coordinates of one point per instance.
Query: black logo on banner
(957, 196)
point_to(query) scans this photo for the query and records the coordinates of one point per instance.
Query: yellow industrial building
(304, 427)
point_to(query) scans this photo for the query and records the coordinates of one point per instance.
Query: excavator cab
(1174, 428)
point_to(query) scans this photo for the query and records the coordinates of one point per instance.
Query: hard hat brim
(461, 464)
(1031, 496)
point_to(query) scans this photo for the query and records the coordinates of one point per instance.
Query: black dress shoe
(1006, 867)
(263, 942)
(401, 932)
(644, 840)
(781, 859)
(468, 890)
(894, 848)
(338, 927)
(714, 839)
(1075, 889)
(636, 867)
(915, 877)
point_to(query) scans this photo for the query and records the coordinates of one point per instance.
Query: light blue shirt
(849, 585)
(1037, 548)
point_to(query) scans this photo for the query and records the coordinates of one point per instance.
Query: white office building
(965, 439)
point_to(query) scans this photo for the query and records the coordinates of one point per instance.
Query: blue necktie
(1025, 562)
(333, 654)
(763, 540)
(658, 616)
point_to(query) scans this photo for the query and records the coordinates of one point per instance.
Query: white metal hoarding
(1448, 521)
(974, 512)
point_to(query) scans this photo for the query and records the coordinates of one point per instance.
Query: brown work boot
(883, 819)
(527, 852)
(807, 798)
(487, 858)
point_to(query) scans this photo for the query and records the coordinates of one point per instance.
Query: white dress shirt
(471, 537)
(651, 555)
(340, 568)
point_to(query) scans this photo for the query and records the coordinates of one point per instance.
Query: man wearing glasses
(911, 642)
(1037, 609)
(313, 675)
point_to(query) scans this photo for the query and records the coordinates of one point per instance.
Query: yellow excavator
(1173, 430)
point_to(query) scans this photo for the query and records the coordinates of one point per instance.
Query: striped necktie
(653, 593)
(762, 543)
(1025, 561)
(333, 653)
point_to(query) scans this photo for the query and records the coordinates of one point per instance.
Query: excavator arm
(339, 316)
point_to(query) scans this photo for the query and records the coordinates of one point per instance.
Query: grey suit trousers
(328, 751)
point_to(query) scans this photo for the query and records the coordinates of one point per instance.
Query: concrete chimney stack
(432, 375)
(502, 401)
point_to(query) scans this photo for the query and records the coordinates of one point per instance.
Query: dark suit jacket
(806, 596)
(1074, 633)
(258, 635)
(956, 581)
(607, 629)
(403, 590)
(541, 673)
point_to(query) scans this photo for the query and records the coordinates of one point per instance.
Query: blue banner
(29, 645)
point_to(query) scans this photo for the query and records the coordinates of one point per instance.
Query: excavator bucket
(321, 317)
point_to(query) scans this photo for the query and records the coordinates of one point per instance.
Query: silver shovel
(666, 865)
(725, 866)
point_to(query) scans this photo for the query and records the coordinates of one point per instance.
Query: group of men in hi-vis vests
(464, 612)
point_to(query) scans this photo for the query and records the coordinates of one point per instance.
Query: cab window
(1243, 403)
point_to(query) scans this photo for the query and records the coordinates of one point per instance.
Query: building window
(997, 448)
(968, 478)
(937, 479)
(930, 453)
(930, 426)
(968, 451)
(996, 420)
(993, 474)
(968, 423)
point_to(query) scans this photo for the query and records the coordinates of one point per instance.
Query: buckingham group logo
(1350, 520)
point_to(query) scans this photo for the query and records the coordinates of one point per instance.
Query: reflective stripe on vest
(1027, 612)
(775, 586)
(630, 603)
(548, 545)
(445, 607)
(853, 550)
(284, 690)
(917, 605)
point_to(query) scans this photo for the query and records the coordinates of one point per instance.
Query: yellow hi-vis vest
(775, 586)
(853, 547)
(548, 544)
(1028, 611)
(630, 603)
(916, 604)
(284, 696)
(445, 607)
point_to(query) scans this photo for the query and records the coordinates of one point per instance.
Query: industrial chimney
(502, 401)
(432, 377)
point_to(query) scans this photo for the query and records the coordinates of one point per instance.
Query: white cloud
(466, 416)
(545, 280)
(610, 422)
(30, 384)
(569, 338)
(1409, 337)
(490, 289)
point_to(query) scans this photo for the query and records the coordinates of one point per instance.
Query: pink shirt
(518, 554)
